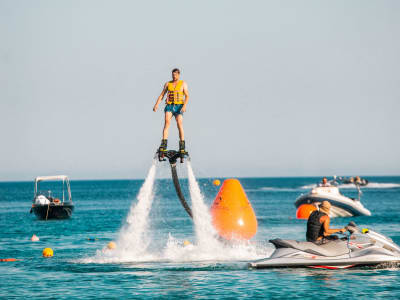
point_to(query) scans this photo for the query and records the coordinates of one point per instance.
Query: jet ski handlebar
(351, 227)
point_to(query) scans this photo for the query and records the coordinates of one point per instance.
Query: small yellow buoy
(111, 245)
(216, 182)
(47, 252)
(186, 243)
(34, 238)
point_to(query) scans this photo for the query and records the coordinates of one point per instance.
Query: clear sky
(278, 88)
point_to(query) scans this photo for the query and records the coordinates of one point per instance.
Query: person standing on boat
(324, 182)
(176, 101)
(318, 230)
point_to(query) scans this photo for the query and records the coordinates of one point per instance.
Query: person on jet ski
(318, 230)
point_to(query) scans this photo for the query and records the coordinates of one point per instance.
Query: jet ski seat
(332, 248)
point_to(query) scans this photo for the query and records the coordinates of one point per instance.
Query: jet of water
(206, 234)
(132, 237)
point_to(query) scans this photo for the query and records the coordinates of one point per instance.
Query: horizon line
(213, 177)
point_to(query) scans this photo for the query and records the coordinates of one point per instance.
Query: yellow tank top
(175, 94)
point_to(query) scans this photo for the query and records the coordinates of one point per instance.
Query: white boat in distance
(342, 206)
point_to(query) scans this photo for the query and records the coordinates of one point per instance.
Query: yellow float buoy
(111, 245)
(216, 182)
(232, 214)
(186, 243)
(47, 252)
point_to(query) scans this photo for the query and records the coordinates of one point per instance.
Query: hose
(177, 185)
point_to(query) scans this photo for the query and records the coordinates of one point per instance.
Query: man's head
(325, 207)
(175, 74)
(324, 180)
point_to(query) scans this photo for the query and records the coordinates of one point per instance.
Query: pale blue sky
(278, 88)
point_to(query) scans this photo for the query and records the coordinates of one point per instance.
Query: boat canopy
(63, 178)
(55, 177)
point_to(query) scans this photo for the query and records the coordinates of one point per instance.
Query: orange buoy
(232, 214)
(111, 245)
(47, 252)
(304, 211)
(8, 259)
(216, 182)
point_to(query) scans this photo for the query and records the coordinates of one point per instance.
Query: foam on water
(176, 251)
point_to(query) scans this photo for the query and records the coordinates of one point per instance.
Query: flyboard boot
(162, 150)
(182, 151)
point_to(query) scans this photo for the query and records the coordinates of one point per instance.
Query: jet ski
(342, 206)
(360, 247)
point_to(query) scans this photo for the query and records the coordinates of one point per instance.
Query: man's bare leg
(168, 117)
(179, 122)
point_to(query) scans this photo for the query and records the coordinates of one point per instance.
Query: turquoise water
(167, 268)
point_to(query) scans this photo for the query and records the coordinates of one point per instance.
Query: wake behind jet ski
(342, 206)
(361, 247)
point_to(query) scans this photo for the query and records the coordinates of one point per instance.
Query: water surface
(168, 269)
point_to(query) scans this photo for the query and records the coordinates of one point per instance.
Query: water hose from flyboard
(172, 157)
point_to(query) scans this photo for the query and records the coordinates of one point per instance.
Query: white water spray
(132, 237)
(206, 235)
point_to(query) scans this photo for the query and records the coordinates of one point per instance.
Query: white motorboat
(342, 206)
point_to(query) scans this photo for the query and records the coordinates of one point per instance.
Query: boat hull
(53, 211)
(341, 206)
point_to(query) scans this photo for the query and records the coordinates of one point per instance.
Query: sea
(162, 253)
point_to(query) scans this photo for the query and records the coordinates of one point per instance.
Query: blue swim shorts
(174, 108)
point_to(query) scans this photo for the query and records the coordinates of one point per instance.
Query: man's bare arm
(186, 93)
(159, 99)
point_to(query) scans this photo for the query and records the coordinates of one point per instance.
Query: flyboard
(172, 156)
